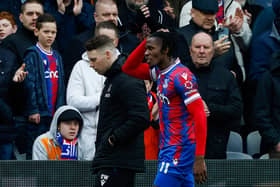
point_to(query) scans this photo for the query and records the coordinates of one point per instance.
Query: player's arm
(134, 66)
(186, 86)
(196, 109)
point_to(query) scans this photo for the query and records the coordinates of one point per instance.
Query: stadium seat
(235, 143)
(265, 156)
(238, 156)
(253, 143)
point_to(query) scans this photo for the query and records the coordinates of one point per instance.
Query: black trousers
(115, 177)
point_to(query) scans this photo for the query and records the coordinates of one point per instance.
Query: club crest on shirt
(163, 98)
(188, 84)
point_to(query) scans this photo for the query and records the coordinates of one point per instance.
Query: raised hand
(78, 5)
(234, 24)
(248, 17)
(145, 11)
(20, 74)
(60, 6)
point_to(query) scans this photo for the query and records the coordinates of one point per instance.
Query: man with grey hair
(221, 96)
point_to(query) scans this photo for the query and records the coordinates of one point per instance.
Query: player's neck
(166, 63)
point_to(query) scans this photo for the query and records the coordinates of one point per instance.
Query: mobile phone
(223, 31)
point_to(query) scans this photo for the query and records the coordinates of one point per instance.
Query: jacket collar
(197, 27)
(116, 66)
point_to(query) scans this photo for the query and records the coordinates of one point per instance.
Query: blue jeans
(6, 151)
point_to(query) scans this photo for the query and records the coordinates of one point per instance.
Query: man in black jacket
(8, 82)
(123, 117)
(24, 37)
(267, 108)
(220, 93)
(203, 19)
(18, 43)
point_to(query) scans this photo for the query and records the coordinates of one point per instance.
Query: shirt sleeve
(134, 66)
(186, 86)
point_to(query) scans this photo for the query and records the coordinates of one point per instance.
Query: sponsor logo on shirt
(51, 74)
(163, 98)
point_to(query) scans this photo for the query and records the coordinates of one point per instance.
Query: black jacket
(133, 21)
(19, 42)
(218, 88)
(124, 113)
(7, 70)
(267, 106)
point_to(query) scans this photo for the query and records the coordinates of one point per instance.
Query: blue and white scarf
(68, 148)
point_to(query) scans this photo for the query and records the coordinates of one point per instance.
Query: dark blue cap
(206, 6)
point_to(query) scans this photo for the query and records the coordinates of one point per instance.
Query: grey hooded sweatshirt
(39, 151)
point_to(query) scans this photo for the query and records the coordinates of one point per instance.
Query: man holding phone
(203, 15)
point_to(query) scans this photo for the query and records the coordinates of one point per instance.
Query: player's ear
(165, 51)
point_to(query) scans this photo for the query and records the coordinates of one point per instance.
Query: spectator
(12, 102)
(265, 45)
(84, 90)
(265, 42)
(105, 10)
(151, 135)
(7, 25)
(123, 116)
(73, 17)
(8, 81)
(229, 14)
(181, 111)
(61, 141)
(250, 10)
(24, 37)
(203, 19)
(142, 18)
(267, 109)
(45, 81)
(221, 96)
(173, 9)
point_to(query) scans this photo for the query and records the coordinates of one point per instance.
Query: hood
(227, 3)
(59, 111)
(85, 57)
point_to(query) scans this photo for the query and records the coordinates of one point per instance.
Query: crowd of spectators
(44, 66)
